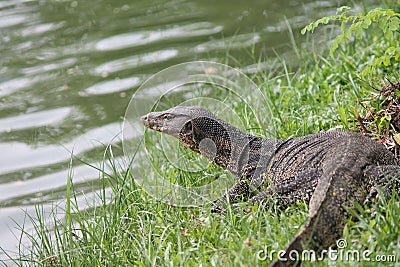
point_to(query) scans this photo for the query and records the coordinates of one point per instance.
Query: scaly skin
(330, 170)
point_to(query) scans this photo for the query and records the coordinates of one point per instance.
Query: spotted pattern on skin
(328, 170)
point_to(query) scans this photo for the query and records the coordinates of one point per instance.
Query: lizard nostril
(143, 118)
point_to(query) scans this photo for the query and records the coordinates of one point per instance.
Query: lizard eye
(167, 116)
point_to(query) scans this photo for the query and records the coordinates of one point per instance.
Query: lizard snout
(143, 119)
(147, 122)
(152, 121)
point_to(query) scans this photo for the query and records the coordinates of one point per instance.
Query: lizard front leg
(240, 191)
(247, 187)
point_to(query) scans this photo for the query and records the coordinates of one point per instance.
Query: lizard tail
(327, 216)
(295, 251)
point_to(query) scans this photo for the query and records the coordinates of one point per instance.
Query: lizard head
(191, 125)
(202, 132)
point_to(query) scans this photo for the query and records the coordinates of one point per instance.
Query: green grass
(134, 229)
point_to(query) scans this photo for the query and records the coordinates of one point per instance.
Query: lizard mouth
(160, 122)
(152, 124)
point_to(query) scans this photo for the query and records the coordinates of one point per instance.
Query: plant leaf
(396, 138)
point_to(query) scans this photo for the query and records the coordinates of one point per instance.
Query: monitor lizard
(329, 170)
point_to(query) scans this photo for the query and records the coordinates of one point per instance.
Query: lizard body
(328, 170)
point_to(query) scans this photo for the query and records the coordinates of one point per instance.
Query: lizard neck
(226, 145)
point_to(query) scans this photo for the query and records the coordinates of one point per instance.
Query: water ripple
(19, 188)
(50, 66)
(22, 156)
(41, 28)
(13, 85)
(33, 120)
(12, 20)
(134, 61)
(146, 37)
(238, 41)
(112, 86)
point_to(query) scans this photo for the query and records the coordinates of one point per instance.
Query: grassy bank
(134, 229)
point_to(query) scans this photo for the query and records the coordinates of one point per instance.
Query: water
(68, 69)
